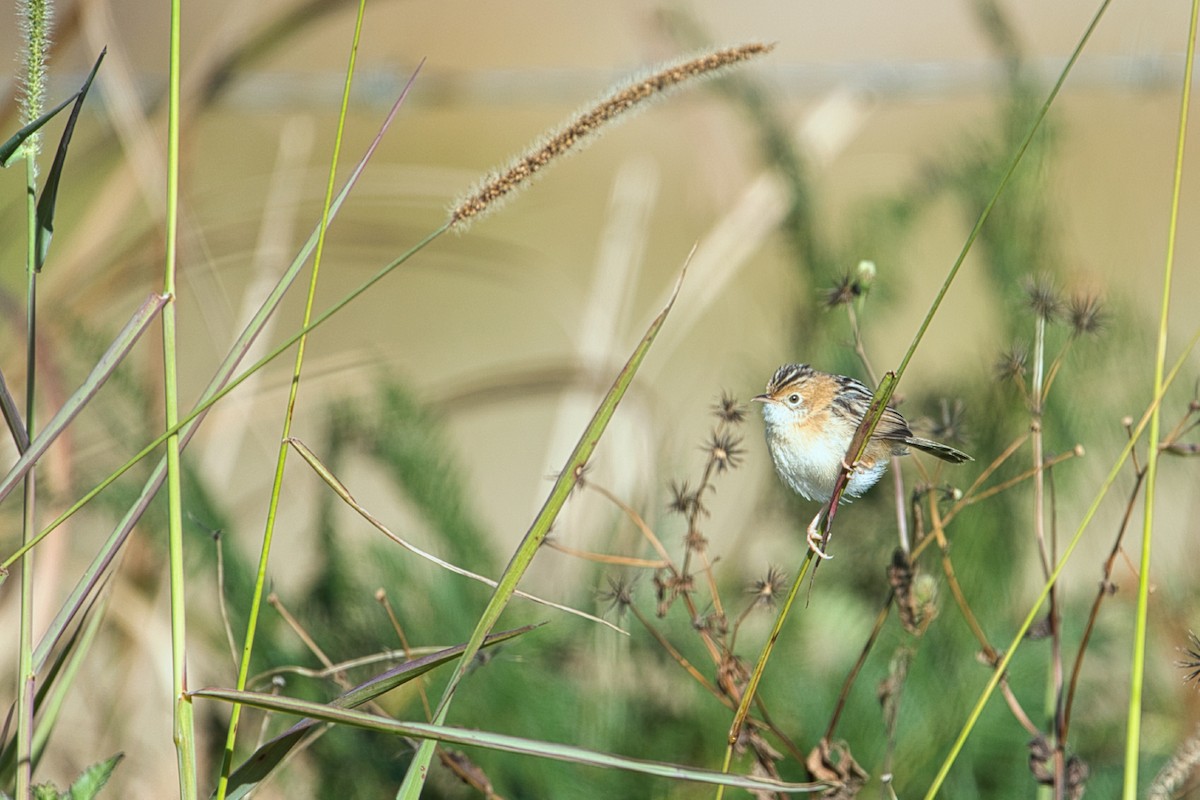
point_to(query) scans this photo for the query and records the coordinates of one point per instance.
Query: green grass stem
(739, 717)
(26, 674)
(218, 389)
(35, 22)
(1133, 718)
(184, 727)
(281, 459)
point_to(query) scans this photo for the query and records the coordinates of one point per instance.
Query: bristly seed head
(1011, 364)
(1043, 298)
(1192, 662)
(842, 293)
(619, 595)
(683, 499)
(1086, 314)
(728, 409)
(850, 287)
(725, 450)
(767, 589)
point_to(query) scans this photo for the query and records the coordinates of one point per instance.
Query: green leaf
(501, 742)
(89, 784)
(266, 758)
(45, 207)
(12, 148)
(47, 791)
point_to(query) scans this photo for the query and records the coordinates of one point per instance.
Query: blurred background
(448, 396)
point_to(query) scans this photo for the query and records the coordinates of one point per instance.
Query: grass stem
(1133, 718)
(289, 412)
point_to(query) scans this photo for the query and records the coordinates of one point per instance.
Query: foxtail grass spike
(584, 127)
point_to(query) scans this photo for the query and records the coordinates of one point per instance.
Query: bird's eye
(793, 398)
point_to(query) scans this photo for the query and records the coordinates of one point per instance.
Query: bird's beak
(761, 398)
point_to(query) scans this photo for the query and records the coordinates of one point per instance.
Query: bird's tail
(943, 451)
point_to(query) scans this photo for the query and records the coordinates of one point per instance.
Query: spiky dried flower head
(728, 409)
(1011, 364)
(1191, 661)
(683, 499)
(725, 450)
(851, 286)
(844, 292)
(618, 596)
(584, 127)
(1085, 313)
(767, 589)
(1043, 298)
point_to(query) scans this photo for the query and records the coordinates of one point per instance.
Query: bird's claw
(814, 539)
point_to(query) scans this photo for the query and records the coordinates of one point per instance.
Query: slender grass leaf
(418, 770)
(49, 198)
(12, 417)
(12, 147)
(266, 758)
(100, 373)
(501, 742)
(225, 372)
(343, 492)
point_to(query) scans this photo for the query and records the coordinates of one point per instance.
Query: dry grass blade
(340, 489)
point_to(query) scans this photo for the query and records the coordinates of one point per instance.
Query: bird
(810, 418)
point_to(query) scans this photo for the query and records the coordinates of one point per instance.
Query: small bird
(811, 417)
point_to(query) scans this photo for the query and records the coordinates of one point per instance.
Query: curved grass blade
(266, 758)
(11, 148)
(414, 779)
(1137, 676)
(100, 373)
(343, 492)
(224, 373)
(12, 417)
(502, 742)
(49, 198)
